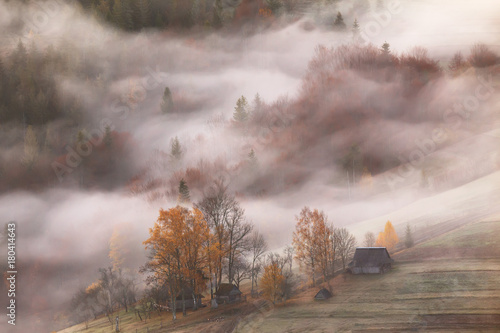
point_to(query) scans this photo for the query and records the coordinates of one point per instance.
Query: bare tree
(241, 270)
(237, 231)
(369, 239)
(226, 219)
(288, 254)
(258, 246)
(346, 244)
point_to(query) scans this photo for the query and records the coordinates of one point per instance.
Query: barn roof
(371, 256)
(227, 289)
(323, 294)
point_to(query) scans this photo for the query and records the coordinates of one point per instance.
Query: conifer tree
(408, 237)
(184, 196)
(339, 23)
(240, 113)
(355, 30)
(175, 149)
(167, 103)
(386, 48)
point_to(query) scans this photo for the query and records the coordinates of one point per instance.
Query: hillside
(446, 283)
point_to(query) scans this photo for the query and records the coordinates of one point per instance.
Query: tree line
(196, 247)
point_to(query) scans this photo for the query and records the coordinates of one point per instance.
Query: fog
(64, 230)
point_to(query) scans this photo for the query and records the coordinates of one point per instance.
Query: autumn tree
(346, 244)
(388, 238)
(272, 280)
(117, 250)
(178, 254)
(409, 242)
(312, 242)
(482, 56)
(369, 239)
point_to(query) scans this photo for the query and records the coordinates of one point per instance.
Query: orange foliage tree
(272, 281)
(388, 238)
(313, 241)
(179, 251)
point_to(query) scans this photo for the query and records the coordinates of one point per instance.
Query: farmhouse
(370, 260)
(323, 294)
(227, 293)
(189, 299)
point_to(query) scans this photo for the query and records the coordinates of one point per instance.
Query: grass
(422, 292)
(450, 283)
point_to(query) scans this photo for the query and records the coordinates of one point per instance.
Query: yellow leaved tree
(388, 238)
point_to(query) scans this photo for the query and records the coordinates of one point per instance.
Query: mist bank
(364, 136)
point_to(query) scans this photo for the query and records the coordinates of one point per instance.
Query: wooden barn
(227, 293)
(189, 299)
(323, 294)
(370, 260)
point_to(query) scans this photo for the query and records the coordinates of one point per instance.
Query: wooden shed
(370, 260)
(227, 293)
(323, 294)
(189, 299)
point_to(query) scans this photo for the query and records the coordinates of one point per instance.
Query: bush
(482, 56)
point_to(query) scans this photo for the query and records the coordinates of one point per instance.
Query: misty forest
(250, 165)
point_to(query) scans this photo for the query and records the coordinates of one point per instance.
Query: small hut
(370, 260)
(323, 294)
(227, 293)
(189, 299)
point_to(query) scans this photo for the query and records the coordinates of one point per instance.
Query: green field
(450, 283)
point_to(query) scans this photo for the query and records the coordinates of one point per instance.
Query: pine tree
(355, 30)
(386, 48)
(184, 196)
(240, 113)
(339, 22)
(408, 237)
(167, 103)
(175, 149)
(257, 104)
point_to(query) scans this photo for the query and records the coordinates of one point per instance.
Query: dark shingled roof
(323, 294)
(226, 289)
(371, 256)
